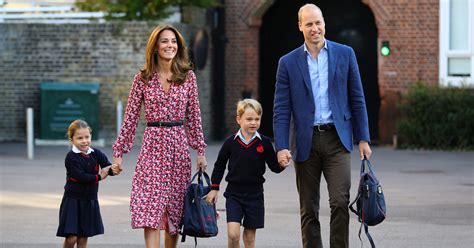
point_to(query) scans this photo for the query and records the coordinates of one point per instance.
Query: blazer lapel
(332, 63)
(303, 65)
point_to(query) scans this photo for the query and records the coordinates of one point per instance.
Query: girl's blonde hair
(242, 105)
(74, 126)
(180, 64)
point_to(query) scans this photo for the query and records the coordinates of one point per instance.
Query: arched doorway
(348, 22)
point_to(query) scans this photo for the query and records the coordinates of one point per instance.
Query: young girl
(79, 214)
(245, 154)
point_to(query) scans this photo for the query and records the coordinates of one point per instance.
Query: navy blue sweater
(82, 174)
(246, 164)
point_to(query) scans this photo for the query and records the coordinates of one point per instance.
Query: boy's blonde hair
(242, 105)
(77, 124)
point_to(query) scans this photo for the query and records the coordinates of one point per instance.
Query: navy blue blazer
(294, 100)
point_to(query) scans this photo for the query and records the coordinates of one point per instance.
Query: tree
(139, 9)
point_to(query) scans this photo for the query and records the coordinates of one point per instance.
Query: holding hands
(284, 157)
(110, 170)
(104, 172)
(116, 165)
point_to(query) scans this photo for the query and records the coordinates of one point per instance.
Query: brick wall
(111, 54)
(411, 27)
(242, 53)
(108, 53)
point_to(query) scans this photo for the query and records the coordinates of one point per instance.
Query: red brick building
(259, 32)
(430, 41)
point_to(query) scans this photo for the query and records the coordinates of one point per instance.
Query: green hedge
(437, 118)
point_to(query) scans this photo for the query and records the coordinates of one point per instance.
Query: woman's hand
(117, 165)
(201, 163)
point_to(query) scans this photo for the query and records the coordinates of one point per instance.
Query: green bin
(61, 103)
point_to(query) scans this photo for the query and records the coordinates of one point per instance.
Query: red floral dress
(164, 166)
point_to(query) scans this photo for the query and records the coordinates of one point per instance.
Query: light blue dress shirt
(318, 72)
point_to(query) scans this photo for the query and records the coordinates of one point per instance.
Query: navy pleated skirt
(79, 217)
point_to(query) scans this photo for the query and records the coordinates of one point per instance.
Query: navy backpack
(370, 200)
(200, 217)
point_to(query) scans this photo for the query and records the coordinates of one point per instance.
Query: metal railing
(48, 14)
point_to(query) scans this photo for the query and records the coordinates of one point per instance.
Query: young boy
(247, 152)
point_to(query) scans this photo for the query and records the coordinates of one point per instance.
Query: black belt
(165, 123)
(324, 128)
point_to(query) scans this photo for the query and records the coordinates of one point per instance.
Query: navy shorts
(247, 206)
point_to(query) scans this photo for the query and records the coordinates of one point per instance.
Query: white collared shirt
(242, 138)
(76, 150)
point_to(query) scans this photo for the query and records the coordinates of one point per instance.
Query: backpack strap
(352, 203)
(369, 237)
(357, 197)
(366, 228)
(201, 174)
(183, 238)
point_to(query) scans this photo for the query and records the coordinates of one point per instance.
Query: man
(318, 90)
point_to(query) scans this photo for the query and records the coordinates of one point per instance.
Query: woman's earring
(155, 57)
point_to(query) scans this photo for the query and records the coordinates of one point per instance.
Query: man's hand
(364, 149)
(284, 157)
(117, 165)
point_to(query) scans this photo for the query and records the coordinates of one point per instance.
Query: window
(456, 42)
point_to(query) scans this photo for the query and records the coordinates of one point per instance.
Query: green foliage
(139, 9)
(437, 118)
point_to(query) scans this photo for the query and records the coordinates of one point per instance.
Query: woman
(167, 88)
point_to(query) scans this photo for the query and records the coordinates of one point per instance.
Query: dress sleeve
(124, 141)
(193, 117)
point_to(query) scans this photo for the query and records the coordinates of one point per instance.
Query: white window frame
(445, 54)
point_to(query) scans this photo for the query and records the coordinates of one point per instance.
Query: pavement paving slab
(429, 194)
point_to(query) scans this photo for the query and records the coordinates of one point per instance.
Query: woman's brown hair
(180, 64)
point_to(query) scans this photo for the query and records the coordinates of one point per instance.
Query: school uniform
(245, 162)
(79, 213)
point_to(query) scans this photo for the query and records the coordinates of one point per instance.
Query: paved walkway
(430, 197)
